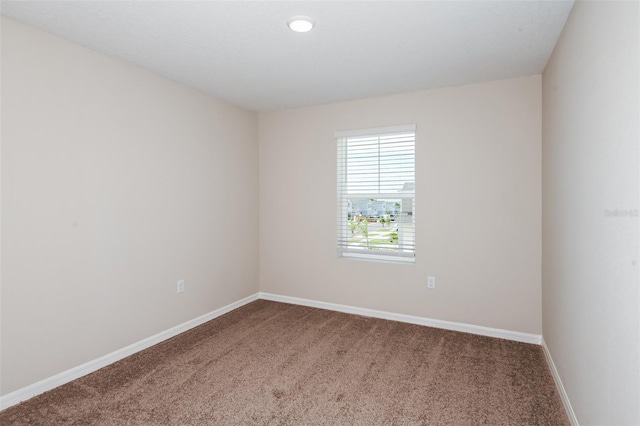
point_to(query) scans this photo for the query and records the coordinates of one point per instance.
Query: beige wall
(478, 205)
(590, 166)
(115, 184)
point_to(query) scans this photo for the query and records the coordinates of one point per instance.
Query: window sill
(380, 258)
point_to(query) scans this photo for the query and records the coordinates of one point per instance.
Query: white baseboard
(563, 393)
(447, 325)
(45, 385)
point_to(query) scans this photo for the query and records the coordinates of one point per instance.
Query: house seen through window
(376, 193)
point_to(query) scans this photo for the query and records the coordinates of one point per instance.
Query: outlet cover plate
(431, 282)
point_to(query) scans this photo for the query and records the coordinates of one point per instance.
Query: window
(376, 193)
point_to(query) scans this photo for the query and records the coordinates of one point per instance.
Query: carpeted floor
(270, 363)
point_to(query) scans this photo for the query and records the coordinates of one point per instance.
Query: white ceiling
(243, 52)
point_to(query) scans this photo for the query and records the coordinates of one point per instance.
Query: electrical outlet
(180, 286)
(431, 282)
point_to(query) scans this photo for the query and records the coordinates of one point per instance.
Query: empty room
(320, 212)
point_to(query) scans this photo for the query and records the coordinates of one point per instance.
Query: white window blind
(376, 193)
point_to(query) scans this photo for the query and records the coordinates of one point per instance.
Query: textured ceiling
(243, 52)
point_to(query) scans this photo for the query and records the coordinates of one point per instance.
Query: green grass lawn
(383, 238)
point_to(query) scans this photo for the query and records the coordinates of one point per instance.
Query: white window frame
(406, 252)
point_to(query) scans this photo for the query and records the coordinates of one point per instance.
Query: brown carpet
(271, 363)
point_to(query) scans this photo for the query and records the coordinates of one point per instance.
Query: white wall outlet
(180, 286)
(431, 282)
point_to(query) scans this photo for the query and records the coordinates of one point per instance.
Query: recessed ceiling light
(300, 24)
